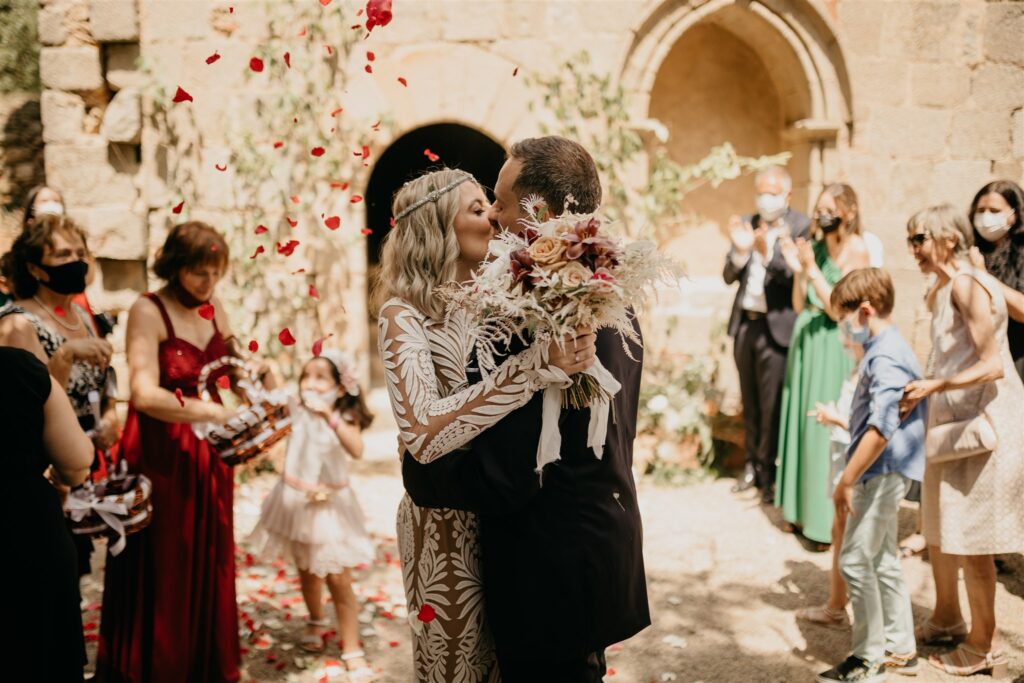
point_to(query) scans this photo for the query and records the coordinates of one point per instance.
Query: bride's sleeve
(431, 425)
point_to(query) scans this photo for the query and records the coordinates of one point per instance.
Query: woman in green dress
(817, 363)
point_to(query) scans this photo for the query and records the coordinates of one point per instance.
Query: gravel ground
(723, 580)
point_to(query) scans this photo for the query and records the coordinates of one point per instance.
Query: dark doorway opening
(457, 146)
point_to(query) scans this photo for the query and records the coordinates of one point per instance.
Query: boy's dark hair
(554, 167)
(864, 284)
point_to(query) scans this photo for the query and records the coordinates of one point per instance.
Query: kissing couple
(508, 576)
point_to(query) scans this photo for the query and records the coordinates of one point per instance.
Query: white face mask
(52, 208)
(328, 398)
(992, 226)
(771, 206)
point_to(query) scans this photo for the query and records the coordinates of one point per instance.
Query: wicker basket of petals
(115, 507)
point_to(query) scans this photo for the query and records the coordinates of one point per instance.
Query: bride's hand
(577, 353)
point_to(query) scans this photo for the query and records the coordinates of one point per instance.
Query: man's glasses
(918, 239)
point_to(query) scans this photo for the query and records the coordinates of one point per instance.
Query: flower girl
(312, 512)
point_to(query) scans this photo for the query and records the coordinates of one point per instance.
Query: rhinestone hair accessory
(432, 196)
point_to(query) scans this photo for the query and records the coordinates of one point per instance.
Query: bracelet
(333, 421)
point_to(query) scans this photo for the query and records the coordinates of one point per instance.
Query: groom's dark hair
(554, 168)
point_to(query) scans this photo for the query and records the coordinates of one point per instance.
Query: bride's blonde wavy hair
(421, 252)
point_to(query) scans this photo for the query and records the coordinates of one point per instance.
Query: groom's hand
(576, 352)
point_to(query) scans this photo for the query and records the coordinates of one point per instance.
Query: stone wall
(912, 102)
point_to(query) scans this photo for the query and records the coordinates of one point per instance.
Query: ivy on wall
(19, 46)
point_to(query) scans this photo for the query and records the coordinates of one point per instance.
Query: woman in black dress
(40, 431)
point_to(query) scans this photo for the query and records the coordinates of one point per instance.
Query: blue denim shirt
(888, 366)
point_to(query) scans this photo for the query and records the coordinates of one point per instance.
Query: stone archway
(766, 75)
(457, 146)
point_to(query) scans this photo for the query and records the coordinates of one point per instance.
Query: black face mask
(68, 278)
(829, 223)
(184, 297)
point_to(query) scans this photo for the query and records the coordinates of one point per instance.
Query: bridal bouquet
(557, 275)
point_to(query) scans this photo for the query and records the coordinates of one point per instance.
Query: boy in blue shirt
(885, 454)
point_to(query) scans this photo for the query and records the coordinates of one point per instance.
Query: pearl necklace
(56, 317)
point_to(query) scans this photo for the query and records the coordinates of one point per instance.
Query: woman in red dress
(169, 612)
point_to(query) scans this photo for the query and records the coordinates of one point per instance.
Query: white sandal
(314, 643)
(363, 673)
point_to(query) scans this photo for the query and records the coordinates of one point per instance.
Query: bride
(440, 236)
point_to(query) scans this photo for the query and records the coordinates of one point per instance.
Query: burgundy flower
(522, 266)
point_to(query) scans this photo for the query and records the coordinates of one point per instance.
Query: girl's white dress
(312, 512)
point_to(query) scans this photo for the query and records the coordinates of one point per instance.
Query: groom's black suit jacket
(563, 567)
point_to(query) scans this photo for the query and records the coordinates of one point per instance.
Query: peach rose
(547, 251)
(575, 274)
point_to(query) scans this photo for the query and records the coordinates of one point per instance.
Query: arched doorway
(457, 146)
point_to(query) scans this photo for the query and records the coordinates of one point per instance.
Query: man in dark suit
(563, 569)
(762, 319)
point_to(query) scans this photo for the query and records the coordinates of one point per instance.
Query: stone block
(51, 26)
(957, 181)
(997, 87)
(981, 135)
(939, 85)
(62, 115)
(171, 21)
(71, 68)
(122, 122)
(114, 232)
(1004, 26)
(114, 20)
(859, 26)
(83, 173)
(881, 81)
(909, 132)
(122, 67)
(1017, 128)
(920, 30)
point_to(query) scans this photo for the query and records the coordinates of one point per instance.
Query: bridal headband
(432, 196)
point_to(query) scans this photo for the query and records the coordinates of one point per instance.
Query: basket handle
(204, 374)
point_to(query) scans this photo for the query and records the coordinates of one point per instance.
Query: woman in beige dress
(971, 506)
(440, 236)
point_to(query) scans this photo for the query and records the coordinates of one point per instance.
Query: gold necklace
(56, 317)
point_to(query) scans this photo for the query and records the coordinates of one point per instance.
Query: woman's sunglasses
(918, 239)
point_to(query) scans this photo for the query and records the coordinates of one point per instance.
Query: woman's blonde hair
(421, 252)
(944, 222)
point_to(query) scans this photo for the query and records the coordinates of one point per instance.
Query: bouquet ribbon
(549, 448)
(78, 508)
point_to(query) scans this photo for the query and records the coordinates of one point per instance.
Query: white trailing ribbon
(78, 508)
(549, 449)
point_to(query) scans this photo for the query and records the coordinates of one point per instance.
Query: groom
(563, 569)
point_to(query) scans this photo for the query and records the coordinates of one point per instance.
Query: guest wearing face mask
(762, 318)
(817, 365)
(997, 213)
(42, 200)
(47, 269)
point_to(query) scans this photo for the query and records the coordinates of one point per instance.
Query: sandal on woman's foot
(355, 672)
(825, 616)
(313, 639)
(966, 661)
(930, 633)
(904, 665)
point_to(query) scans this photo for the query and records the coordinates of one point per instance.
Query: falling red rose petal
(366, 231)
(376, 126)
(391, 222)
(177, 209)
(253, 346)
(178, 395)
(317, 151)
(295, 199)
(333, 222)
(278, 145)
(356, 199)
(300, 270)
(392, 643)
(318, 345)
(224, 382)
(181, 96)
(337, 111)
(213, 247)
(378, 13)
(212, 58)
(288, 59)
(206, 311)
(369, 69)
(430, 155)
(313, 293)
(330, 50)
(339, 186)
(287, 248)
(256, 64)
(370, 56)
(259, 250)
(221, 167)
(426, 614)
(302, 33)
(291, 222)
(611, 671)
(59, 311)
(325, 3)
(401, 79)
(285, 337)
(260, 229)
